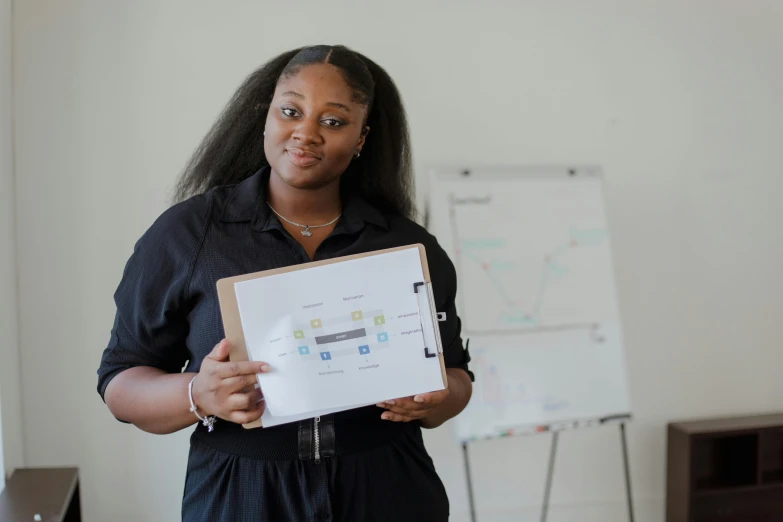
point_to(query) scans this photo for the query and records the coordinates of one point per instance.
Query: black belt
(312, 439)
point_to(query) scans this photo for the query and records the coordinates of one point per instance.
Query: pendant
(306, 232)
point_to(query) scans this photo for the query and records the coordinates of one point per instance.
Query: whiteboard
(536, 294)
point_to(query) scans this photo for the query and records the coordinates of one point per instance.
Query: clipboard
(234, 332)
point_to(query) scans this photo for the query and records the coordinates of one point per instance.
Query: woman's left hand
(413, 408)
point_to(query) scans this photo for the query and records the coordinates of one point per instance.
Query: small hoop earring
(357, 154)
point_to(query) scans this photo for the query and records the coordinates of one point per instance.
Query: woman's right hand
(227, 389)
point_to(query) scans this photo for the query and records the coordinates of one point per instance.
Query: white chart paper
(539, 304)
(339, 335)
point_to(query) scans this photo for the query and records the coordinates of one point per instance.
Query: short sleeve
(444, 283)
(152, 302)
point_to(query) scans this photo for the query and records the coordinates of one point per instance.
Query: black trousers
(395, 481)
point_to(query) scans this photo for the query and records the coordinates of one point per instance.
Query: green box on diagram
(357, 334)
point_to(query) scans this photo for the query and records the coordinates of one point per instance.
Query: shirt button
(324, 515)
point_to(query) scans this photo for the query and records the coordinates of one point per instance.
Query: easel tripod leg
(550, 471)
(471, 503)
(627, 473)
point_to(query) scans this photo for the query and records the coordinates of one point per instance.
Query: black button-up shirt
(168, 317)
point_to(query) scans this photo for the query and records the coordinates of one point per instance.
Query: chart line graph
(486, 254)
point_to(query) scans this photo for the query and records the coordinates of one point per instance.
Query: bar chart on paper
(537, 294)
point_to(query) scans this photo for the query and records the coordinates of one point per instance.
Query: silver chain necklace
(306, 232)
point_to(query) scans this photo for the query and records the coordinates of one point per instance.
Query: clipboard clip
(436, 317)
(440, 316)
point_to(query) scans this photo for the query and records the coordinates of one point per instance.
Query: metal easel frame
(550, 473)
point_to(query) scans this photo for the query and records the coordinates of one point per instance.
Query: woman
(309, 161)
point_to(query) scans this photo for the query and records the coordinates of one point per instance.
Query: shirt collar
(247, 203)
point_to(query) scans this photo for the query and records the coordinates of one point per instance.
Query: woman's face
(313, 128)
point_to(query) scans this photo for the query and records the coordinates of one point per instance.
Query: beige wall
(678, 101)
(11, 453)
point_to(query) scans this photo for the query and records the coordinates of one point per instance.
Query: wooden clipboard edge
(232, 324)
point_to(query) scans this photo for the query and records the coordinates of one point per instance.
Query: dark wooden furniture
(725, 470)
(52, 493)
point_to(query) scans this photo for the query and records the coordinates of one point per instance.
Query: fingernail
(381, 405)
(265, 367)
(385, 417)
(418, 398)
(390, 402)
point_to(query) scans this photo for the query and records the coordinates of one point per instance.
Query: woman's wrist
(194, 395)
(205, 418)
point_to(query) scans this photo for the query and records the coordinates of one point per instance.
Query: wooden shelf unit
(50, 493)
(725, 470)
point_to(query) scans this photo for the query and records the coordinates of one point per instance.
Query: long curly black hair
(234, 147)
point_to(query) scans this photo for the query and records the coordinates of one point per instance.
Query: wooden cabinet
(725, 470)
(46, 494)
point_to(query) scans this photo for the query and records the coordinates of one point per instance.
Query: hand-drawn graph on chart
(546, 268)
(497, 389)
(544, 377)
